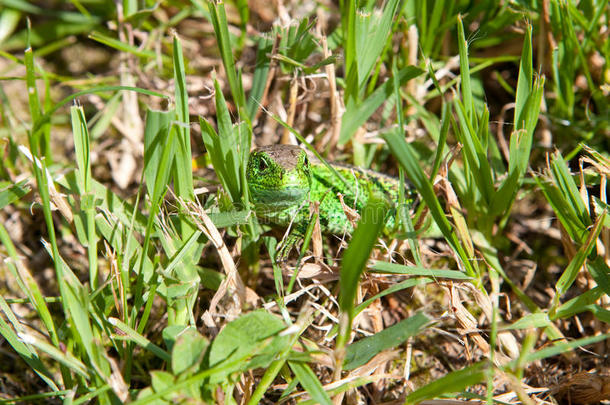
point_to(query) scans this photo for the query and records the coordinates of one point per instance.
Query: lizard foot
(285, 247)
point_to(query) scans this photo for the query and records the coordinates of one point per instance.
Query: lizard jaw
(275, 200)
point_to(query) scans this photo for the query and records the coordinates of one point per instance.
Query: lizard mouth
(273, 199)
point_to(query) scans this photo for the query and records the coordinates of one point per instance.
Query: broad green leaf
(161, 380)
(255, 332)
(188, 351)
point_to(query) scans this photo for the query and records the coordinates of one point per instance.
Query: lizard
(283, 180)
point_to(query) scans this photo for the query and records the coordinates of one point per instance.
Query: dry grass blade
(233, 282)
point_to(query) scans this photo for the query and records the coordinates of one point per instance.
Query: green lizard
(283, 180)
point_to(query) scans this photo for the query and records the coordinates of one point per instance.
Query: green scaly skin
(283, 180)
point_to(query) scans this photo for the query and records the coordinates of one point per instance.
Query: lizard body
(283, 180)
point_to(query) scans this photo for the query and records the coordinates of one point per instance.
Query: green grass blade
(179, 257)
(395, 268)
(227, 159)
(28, 285)
(140, 340)
(600, 313)
(524, 81)
(358, 251)
(475, 154)
(567, 186)
(578, 304)
(183, 176)
(359, 353)
(82, 151)
(569, 275)
(88, 397)
(348, 25)
(180, 301)
(412, 282)
(455, 381)
(121, 46)
(159, 189)
(261, 71)
(562, 347)
(373, 38)
(47, 116)
(9, 18)
(65, 358)
(535, 320)
(521, 143)
(600, 272)
(43, 179)
(37, 398)
(357, 114)
(102, 120)
(310, 382)
(465, 71)
(354, 262)
(409, 162)
(221, 29)
(574, 44)
(75, 300)
(563, 196)
(37, 145)
(9, 193)
(156, 134)
(26, 352)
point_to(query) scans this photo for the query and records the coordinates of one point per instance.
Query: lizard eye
(262, 165)
(305, 166)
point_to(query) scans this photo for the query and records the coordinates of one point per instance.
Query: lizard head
(278, 177)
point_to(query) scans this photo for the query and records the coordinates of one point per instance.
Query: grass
(134, 270)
